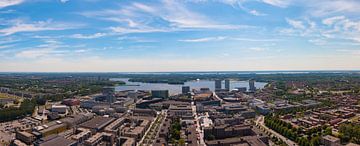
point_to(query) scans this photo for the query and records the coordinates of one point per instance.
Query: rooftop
(331, 138)
(97, 123)
(61, 141)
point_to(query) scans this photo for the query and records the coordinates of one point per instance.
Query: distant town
(201, 109)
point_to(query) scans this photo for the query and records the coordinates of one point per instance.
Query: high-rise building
(217, 85)
(108, 92)
(133, 95)
(252, 87)
(160, 93)
(227, 84)
(185, 89)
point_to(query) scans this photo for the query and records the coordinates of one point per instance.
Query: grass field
(5, 95)
(19, 99)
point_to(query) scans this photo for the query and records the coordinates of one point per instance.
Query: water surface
(175, 89)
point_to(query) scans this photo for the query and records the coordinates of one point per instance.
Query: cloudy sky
(179, 35)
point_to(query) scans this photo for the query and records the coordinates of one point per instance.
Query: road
(260, 121)
(201, 141)
(217, 97)
(161, 116)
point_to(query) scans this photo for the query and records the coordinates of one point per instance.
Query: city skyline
(188, 35)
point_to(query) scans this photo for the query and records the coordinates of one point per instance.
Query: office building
(252, 87)
(217, 85)
(108, 92)
(160, 94)
(185, 89)
(227, 84)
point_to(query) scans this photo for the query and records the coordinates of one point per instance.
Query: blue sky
(179, 35)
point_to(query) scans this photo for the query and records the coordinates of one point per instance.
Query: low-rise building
(61, 109)
(96, 124)
(25, 137)
(82, 135)
(55, 140)
(126, 141)
(329, 140)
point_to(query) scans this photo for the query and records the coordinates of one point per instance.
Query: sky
(178, 35)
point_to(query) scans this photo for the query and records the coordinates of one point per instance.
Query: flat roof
(97, 122)
(27, 134)
(331, 138)
(58, 141)
(127, 141)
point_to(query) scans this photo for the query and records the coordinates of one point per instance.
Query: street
(260, 121)
(200, 134)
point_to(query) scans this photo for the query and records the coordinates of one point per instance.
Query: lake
(176, 89)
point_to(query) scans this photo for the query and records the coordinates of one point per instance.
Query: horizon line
(129, 72)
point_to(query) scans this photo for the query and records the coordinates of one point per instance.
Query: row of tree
(284, 128)
(350, 133)
(175, 133)
(26, 108)
(310, 137)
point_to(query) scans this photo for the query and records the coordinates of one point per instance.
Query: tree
(315, 141)
(328, 131)
(181, 142)
(350, 132)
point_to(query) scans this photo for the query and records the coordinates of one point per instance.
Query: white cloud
(35, 53)
(145, 8)
(125, 30)
(318, 41)
(207, 39)
(349, 51)
(302, 27)
(49, 49)
(220, 38)
(339, 29)
(278, 3)
(295, 23)
(21, 26)
(136, 39)
(8, 40)
(81, 51)
(254, 40)
(240, 4)
(175, 16)
(82, 36)
(329, 7)
(5, 46)
(180, 16)
(258, 49)
(6, 3)
(64, 1)
(332, 20)
(43, 50)
(256, 13)
(143, 64)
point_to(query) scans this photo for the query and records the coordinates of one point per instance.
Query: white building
(61, 109)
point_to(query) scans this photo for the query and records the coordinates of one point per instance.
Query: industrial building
(96, 124)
